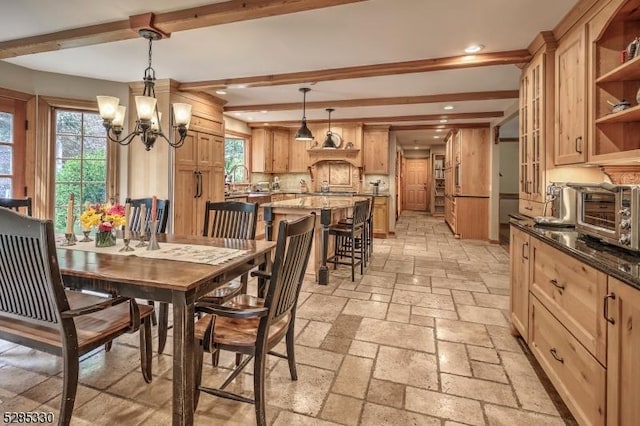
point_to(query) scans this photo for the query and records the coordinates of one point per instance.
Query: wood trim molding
(245, 136)
(70, 103)
(368, 120)
(544, 39)
(166, 23)
(400, 128)
(577, 12)
(375, 70)
(401, 100)
(622, 174)
(14, 94)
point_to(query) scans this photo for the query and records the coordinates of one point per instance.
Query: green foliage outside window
(81, 163)
(234, 155)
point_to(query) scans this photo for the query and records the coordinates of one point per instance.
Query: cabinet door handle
(524, 256)
(579, 144)
(528, 208)
(605, 308)
(195, 176)
(554, 353)
(555, 283)
(200, 185)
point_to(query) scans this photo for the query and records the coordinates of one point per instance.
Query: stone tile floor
(421, 339)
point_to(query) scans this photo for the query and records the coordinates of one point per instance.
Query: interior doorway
(416, 184)
(508, 139)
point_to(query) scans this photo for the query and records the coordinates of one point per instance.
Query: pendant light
(328, 142)
(303, 133)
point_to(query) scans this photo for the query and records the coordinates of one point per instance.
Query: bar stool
(368, 231)
(350, 236)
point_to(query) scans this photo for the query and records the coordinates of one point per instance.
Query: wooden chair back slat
(230, 219)
(289, 266)
(162, 214)
(360, 213)
(17, 204)
(30, 283)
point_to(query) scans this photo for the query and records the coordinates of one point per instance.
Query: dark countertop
(336, 194)
(619, 263)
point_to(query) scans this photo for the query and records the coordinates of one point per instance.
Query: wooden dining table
(176, 282)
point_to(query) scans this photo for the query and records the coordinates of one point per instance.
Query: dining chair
(349, 236)
(36, 310)
(17, 204)
(162, 215)
(221, 220)
(254, 326)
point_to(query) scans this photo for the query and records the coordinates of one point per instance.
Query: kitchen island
(329, 210)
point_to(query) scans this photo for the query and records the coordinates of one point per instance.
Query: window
(6, 154)
(234, 156)
(80, 161)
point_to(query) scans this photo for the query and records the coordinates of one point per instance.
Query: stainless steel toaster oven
(610, 213)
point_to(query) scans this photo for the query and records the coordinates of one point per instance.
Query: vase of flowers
(106, 218)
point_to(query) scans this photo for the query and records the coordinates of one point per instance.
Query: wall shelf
(629, 70)
(628, 115)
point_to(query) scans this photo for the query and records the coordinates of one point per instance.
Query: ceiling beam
(376, 70)
(401, 100)
(166, 23)
(391, 119)
(400, 128)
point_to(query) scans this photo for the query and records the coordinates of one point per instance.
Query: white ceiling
(364, 33)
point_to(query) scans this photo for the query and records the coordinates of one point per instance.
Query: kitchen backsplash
(291, 181)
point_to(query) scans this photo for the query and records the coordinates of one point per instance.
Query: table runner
(170, 251)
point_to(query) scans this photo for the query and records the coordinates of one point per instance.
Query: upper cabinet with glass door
(616, 131)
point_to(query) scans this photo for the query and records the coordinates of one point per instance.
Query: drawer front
(530, 208)
(573, 292)
(577, 376)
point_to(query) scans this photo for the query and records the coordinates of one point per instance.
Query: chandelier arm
(124, 141)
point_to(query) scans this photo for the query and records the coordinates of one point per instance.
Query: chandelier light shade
(303, 133)
(328, 142)
(148, 125)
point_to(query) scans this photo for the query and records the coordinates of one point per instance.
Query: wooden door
(571, 91)
(184, 194)
(416, 184)
(261, 150)
(519, 255)
(623, 349)
(376, 151)
(280, 151)
(474, 146)
(298, 155)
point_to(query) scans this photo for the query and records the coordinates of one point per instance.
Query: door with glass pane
(80, 162)
(12, 144)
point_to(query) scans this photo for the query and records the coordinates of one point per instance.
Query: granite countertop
(619, 263)
(316, 202)
(297, 192)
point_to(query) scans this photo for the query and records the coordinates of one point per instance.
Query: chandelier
(148, 125)
(303, 133)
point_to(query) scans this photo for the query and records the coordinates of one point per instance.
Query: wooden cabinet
(467, 182)
(270, 150)
(536, 127)
(298, 155)
(381, 217)
(437, 190)
(573, 293)
(376, 149)
(571, 98)
(519, 255)
(616, 136)
(577, 376)
(471, 151)
(199, 176)
(623, 347)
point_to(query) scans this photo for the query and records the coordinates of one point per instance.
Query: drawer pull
(557, 357)
(606, 307)
(555, 283)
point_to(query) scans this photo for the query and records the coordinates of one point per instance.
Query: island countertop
(316, 202)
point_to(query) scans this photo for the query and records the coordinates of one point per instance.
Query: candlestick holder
(126, 245)
(69, 240)
(153, 240)
(143, 240)
(86, 238)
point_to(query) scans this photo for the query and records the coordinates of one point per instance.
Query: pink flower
(116, 209)
(105, 227)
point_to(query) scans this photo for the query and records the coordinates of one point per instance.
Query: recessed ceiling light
(448, 107)
(221, 92)
(415, 147)
(474, 48)
(439, 130)
(249, 118)
(237, 86)
(264, 111)
(237, 113)
(436, 137)
(444, 121)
